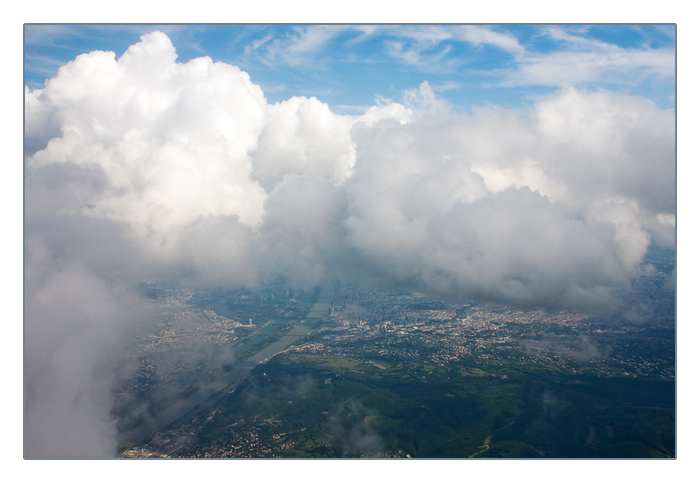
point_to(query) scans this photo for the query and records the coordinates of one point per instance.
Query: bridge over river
(210, 385)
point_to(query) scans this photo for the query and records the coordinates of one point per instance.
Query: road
(212, 384)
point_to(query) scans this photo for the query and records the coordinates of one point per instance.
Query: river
(213, 383)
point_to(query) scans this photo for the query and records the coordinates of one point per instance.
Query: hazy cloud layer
(76, 326)
(141, 168)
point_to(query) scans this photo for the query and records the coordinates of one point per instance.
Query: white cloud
(311, 39)
(478, 35)
(299, 47)
(425, 35)
(386, 110)
(575, 58)
(145, 168)
(303, 136)
(616, 66)
(172, 151)
(173, 140)
(435, 203)
(424, 101)
(428, 36)
(418, 56)
(76, 330)
(583, 60)
(604, 146)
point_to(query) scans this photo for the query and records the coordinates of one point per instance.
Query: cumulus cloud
(171, 140)
(142, 168)
(425, 101)
(302, 136)
(547, 209)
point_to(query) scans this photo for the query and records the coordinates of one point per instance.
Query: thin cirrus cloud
(412, 44)
(478, 35)
(317, 60)
(585, 61)
(298, 46)
(544, 57)
(147, 167)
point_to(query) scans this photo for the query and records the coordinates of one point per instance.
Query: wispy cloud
(424, 60)
(303, 45)
(464, 56)
(578, 67)
(581, 60)
(43, 34)
(446, 86)
(430, 47)
(479, 35)
(425, 35)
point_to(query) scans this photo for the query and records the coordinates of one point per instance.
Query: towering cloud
(142, 168)
(513, 209)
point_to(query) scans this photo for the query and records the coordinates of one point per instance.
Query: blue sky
(350, 67)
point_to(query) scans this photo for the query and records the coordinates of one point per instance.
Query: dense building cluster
(410, 330)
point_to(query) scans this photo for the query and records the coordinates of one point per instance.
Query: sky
(350, 66)
(527, 165)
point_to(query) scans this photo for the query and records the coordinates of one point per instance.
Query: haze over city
(531, 167)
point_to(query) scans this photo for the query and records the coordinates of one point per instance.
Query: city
(372, 340)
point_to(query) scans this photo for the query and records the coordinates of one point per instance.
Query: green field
(331, 406)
